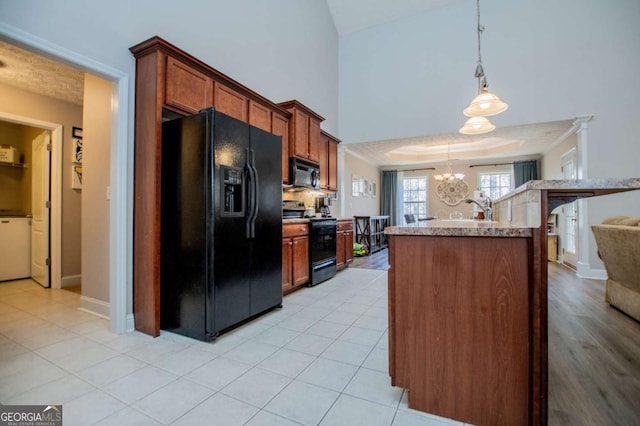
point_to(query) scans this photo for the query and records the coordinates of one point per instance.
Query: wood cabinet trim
(294, 104)
(329, 135)
(159, 44)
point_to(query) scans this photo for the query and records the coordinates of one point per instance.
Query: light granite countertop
(295, 220)
(595, 186)
(460, 228)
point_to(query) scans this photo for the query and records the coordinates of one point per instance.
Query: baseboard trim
(70, 280)
(585, 271)
(131, 323)
(94, 306)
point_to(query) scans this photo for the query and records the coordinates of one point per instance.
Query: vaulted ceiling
(41, 75)
(354, 15)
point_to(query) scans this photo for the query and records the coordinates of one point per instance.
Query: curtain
(524, 171)
(400, 198)
(389, 196)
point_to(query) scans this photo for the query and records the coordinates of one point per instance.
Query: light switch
(108, 192)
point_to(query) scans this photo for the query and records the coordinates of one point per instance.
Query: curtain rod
(410, 170)
(496, 164)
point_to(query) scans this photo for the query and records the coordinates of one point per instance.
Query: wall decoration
(363, 187)
(77, 150)
(452, 192)
(355, 186)
(76, 178)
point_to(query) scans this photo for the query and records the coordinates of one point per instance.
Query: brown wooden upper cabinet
(304, 131)
(186, 88)
(260, 116)
(328, 161)
(280, 127)
(228, 101)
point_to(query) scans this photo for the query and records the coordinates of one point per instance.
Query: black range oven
(322, 249)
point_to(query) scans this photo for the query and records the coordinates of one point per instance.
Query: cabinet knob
(290, 243)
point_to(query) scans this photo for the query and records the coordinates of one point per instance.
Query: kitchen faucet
(485, 206)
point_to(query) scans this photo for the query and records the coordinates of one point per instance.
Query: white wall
(549, 59)
(95, 205)
(360, 206)
(282, 49)
(551, 163)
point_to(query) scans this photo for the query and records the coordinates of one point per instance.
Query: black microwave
(304, 173)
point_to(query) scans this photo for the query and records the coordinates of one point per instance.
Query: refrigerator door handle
(250, 196)
(256, 196)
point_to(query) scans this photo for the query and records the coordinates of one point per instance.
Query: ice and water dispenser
(232, 191)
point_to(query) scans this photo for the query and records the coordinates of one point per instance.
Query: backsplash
(309, 199)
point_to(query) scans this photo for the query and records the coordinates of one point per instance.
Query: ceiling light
(477, 126)
(448, 174)
(486, 103)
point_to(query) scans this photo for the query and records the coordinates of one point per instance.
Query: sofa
(618, 241)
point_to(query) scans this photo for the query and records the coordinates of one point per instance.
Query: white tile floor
(322, 359)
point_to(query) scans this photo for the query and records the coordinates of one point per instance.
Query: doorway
(40, 194)
(118, 245)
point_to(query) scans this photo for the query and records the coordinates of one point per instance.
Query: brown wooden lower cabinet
(344, 244)
(459, 331)
(295, 256)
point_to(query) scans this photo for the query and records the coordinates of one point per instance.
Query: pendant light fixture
(477, 126)
(486, 103)
(448, 174)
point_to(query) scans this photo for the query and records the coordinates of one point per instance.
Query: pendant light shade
(485, 104)
(477, 126)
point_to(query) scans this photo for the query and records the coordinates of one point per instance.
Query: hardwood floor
(594, 351)
(378, 260)
(594, 355)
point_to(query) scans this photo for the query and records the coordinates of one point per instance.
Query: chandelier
(448, 175)
(486, 103)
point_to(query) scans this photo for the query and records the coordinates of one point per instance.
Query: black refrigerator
(221, 224)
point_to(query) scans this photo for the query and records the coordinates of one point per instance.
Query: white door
(40, 172)
(569, 215)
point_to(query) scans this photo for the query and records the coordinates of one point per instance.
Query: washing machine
(15, 248)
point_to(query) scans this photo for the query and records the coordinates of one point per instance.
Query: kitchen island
(459, 318)
(468, 307)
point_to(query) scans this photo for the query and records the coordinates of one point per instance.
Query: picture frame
(77, 151)
(76, 178)
(76, 132)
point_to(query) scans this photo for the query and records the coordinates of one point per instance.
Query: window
(495, 185)
(414, 196)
